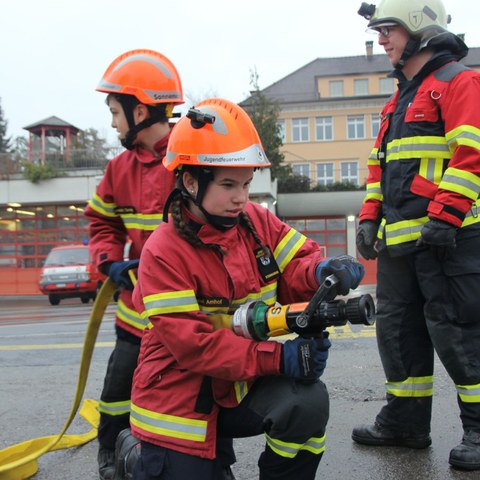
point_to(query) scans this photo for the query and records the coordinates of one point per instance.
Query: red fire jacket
(128, 206)
(426, 159)
(188, 294)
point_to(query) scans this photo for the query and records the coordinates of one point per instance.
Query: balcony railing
(78, 159)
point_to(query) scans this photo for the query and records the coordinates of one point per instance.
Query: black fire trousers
(427, 303)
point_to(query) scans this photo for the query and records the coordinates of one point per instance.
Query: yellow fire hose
(19, 461)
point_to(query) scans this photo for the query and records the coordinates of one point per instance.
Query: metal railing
(77, 159)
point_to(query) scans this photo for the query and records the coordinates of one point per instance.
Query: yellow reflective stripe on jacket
(412, 148)
(466, 135)
(462, 182)
(404, 231)
(267, 294)
(469, 393)
(374, 191)
(132, 317)
(373, 158)
(288, 247)
(431, 169)
(168, 425)
(409, 230)
(142, 221)
(114, 408)
(170, 302)
(472, 215)
(315, 445)
(97, 204)
(241, 390)
(411, 387)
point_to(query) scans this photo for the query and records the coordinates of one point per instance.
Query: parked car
(69, 272)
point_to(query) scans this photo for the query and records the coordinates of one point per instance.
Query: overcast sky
(54, 52)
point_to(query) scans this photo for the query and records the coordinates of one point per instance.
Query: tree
(264, 114)
(294, 184)
(5, 142)
(91, 149)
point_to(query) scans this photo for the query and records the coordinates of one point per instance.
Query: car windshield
(68, 256)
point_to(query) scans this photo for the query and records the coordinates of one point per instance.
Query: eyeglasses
(384, 31)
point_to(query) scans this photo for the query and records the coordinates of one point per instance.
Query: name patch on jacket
(213, 302)
(124, 210)
(267, 266)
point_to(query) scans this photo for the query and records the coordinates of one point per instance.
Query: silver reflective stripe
(460, 181)
(282, 255)
(141, 221)
(114, 408)
(395, 150)
(464, 134)
(130, 316)
(171, 423)
(147, 59)
(252, 155)
(165, 303)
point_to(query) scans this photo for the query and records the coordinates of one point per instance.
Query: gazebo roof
(52, 123)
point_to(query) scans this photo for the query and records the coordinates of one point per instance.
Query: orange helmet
(147, 75)
(216, 133)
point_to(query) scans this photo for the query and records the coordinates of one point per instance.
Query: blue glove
(347, 269)
(305, 358)
(118, 272)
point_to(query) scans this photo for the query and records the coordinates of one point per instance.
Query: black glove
(118, 272)
(366, 238)
(305, 358)
(347, 269)
(439, 236)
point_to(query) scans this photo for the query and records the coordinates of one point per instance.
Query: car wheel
(53, 299)
(85, 299)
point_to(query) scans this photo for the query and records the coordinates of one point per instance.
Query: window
(323, 128)
(387, 85)
(281, 130)
(329, 233)
(325, 174)
(300, 131)
(355, 126)
(302, 169)
(349, 172)
(29, 233)
(336, 88)
(360, 86)
(375, 119)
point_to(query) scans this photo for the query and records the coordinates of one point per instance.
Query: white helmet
(423, 19)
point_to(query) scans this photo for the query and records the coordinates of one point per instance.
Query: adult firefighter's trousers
(427, 300)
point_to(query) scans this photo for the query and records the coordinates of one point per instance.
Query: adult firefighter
(420, 216)
(143, 88)
(196, 380)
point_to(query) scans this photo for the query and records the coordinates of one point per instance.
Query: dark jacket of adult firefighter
(424, 174)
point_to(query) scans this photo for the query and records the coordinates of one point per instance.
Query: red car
(69, 272)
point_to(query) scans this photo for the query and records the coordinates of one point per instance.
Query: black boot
(379, 436)
(106, 463)
(466, 456)
(127, 453)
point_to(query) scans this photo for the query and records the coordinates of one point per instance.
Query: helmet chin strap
(129, 141)
(205, 176)
(128, 104)
(411, 48)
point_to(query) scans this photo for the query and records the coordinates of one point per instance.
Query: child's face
(119, 121)
(227, 193)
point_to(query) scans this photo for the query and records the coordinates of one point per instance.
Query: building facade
(329, 119)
